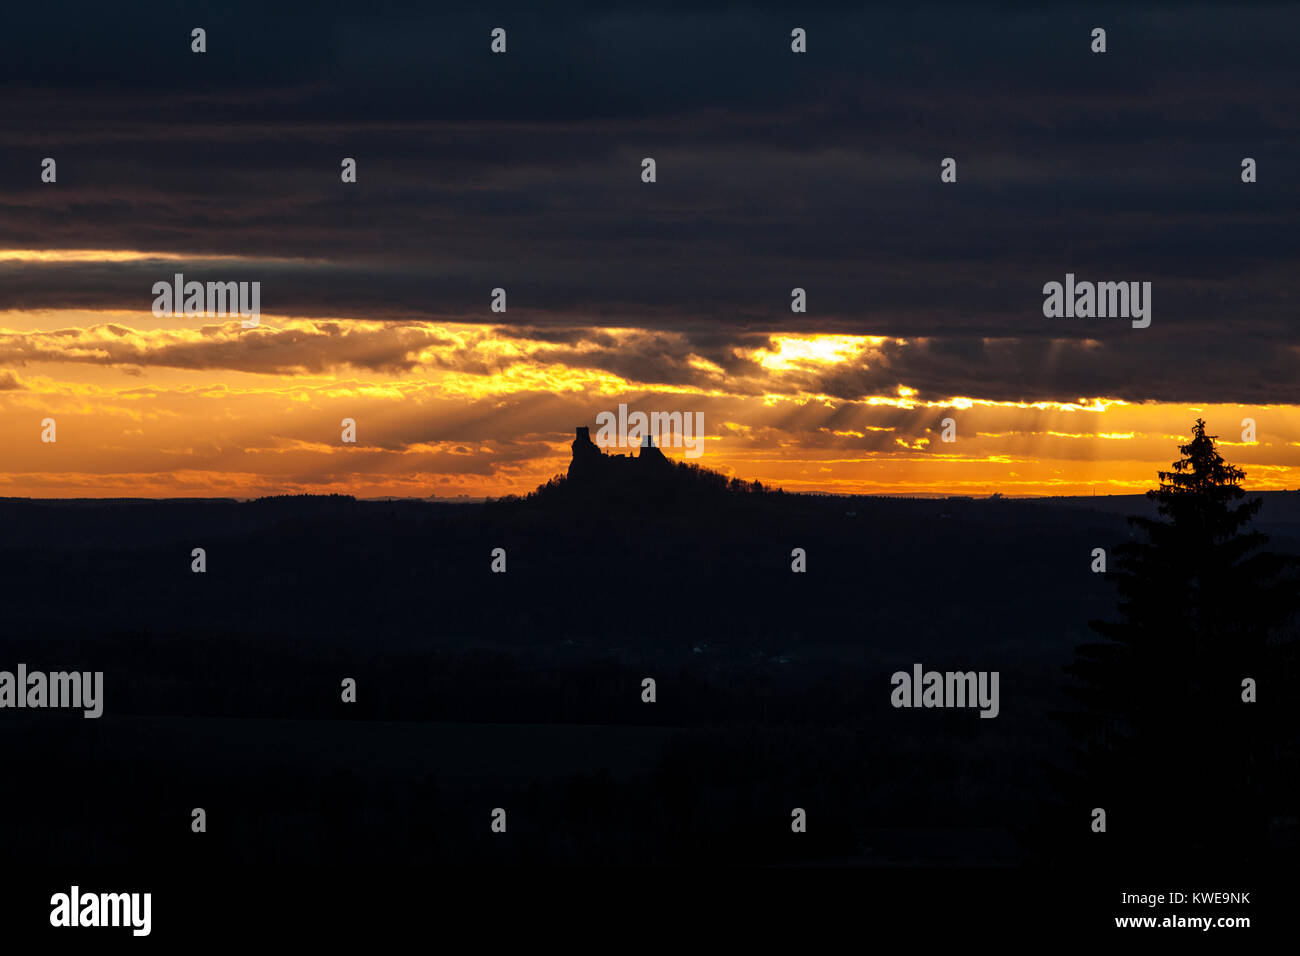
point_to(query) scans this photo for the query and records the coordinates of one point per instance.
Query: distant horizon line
(467, 499)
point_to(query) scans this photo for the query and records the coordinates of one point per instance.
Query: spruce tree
(1185, 769)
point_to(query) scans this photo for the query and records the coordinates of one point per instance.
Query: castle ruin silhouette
(590, 464)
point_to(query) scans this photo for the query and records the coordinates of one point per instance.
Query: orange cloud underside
(167, 407)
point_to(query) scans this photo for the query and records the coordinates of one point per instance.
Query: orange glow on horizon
(162, 407)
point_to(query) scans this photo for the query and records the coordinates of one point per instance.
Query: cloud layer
(775, 171)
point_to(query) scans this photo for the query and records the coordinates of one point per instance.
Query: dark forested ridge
(522, 689)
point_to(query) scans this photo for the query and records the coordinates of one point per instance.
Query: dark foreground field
(522, 690)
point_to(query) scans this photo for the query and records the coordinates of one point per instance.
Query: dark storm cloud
(775, 171)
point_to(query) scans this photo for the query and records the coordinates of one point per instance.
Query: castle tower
(586, 456)
(650, 452)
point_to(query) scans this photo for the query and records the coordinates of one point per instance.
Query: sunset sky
(522, 171)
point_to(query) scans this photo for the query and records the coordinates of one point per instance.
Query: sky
(523, 171)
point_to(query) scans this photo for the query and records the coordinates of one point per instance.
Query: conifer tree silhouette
(1185, 769)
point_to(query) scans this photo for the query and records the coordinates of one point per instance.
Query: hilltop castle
(590, 463)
